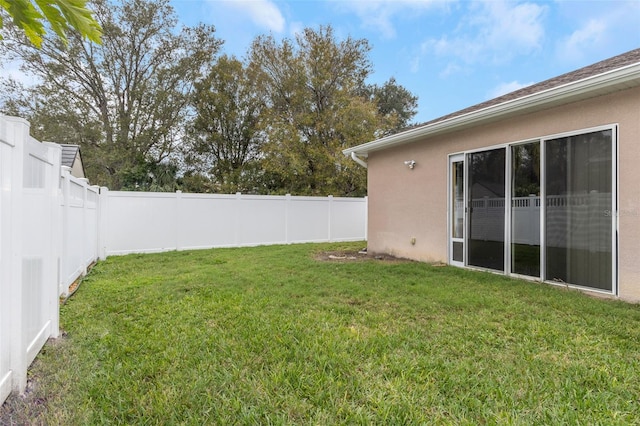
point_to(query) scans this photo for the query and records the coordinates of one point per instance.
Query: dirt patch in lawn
(30, 407)
(345, 256)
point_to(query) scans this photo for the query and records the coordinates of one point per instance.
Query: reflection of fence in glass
(576, 221)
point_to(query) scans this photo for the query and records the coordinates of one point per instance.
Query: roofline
(568, 91)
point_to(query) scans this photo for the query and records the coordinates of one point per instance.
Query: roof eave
(597, 85)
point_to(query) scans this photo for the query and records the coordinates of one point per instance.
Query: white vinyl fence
(79, 226)
(53, 226)
(29, 251)
(151, 222)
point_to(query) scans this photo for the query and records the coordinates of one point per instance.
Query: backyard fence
(53, 226)
(152, 222)
(29, 253)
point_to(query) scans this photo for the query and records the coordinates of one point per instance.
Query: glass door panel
(525, 209)
(486, 196)
(578, 206)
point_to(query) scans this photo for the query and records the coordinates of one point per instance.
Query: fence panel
(40, 250)
(137, 222)
(79, 228)
(308, 219)
(348, 219)
(48, 235)
(91, 212)
(261, 220)
(28, 250)
(206, 221)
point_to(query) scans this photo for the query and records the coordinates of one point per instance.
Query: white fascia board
(600, 84)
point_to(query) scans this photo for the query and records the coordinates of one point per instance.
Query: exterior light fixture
(410, 163)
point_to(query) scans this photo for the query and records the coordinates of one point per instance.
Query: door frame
(456, 158)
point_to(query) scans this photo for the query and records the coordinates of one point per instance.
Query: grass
(270, 335)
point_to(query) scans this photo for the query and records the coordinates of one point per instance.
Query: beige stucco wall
(406, 204)
(77, 170)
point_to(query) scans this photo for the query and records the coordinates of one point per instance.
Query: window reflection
(578, 196)
(487, 208)
(525, 209)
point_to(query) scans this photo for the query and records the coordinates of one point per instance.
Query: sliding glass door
(525, 209)
(486, 188)
(578, 206)
(544, 209)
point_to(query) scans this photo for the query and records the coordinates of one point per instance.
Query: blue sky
(451, 54)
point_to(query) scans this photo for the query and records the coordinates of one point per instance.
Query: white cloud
(508, 87)
(492, 31)
(450, 69)
(263, 13)
(378, 15)
(597, 31)
(584, 38)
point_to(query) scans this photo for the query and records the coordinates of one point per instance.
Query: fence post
(85, 226)
(330, 218)
(236, 218)
(287, 208)
(66, 209)
(8, 162)
(103, 223)
(178, 205)
(95, 250)
(18, 349)
(55, 251)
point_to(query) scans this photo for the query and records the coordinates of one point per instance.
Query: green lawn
(270, 335)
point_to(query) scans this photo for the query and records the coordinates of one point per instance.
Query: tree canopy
(128, 99)
(155, 108)
(225, 140)
(311, 86)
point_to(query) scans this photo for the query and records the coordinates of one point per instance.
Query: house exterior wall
(77, 170)
(407, 204)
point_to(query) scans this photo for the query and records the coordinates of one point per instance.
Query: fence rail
(53, 226)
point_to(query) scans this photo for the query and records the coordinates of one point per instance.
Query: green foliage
(394, 101)
(314, 110)
(225, 141)
(155, 177)
(61, 15)
(152, 107)
(270, 335)
(127, 99)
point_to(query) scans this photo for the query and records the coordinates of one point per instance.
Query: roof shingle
(69, 153)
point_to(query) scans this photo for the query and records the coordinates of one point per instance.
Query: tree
(225, 139)
(394, 102)
(312, 89)
(61, 15)
(135, 89)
